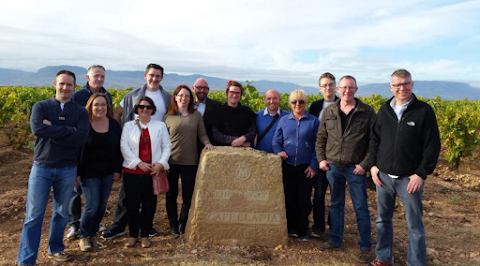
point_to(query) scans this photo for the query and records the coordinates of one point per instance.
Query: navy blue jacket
(59, 145)
(81, 96)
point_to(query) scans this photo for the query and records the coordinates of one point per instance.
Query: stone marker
(238, 199)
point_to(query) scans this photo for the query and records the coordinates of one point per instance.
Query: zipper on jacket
(297, 140)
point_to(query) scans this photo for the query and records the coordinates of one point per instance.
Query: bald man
(205, 106)
(267, 120)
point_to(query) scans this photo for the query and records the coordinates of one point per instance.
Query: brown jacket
(351, 147)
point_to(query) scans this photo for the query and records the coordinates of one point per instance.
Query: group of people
(83, 146)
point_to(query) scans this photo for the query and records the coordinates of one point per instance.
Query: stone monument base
(238, 199)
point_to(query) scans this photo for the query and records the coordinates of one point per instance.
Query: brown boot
(131, 242)
(97, 243)
(145, 242)
(85, 244)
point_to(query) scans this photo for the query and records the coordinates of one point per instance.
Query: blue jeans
(357, 187)
(41, 179)
(412, 205)
(96, 191)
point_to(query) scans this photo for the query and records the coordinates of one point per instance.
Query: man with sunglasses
(326, 84)
(404, 149)
(206, 106)
(342, 151)
(95, 79)
(124, 113)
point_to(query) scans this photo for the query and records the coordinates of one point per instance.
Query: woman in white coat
(146, 147)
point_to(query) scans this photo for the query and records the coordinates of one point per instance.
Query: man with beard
(206, 106)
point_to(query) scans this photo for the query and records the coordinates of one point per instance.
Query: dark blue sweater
(58, 145)
(81, 96)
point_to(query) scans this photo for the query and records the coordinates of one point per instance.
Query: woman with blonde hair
(294, 141)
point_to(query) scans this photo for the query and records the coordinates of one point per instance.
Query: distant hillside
(428, 89)
(126, 79)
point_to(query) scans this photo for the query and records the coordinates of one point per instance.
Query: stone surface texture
(238, 199)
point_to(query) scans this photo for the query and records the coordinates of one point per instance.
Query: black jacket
(209, 117)
(405, 147)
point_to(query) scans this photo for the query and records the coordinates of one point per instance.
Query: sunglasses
(141, 106)
(298, 101)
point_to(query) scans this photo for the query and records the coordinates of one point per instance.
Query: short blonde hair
(298, 94)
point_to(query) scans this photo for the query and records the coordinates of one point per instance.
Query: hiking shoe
(73, 233)
(109, 234)
(380, 263)
(153, 232)
(85, 244)
(365, 256)
(327, 245)
(97, 243)
(304, 238)
(59, 256)
(292, 234)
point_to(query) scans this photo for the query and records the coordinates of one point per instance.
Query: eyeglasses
(298, 101)
(141, 106)
(348, 88)
(405, 84)
(183, 96)
(329, 85)
(202, 87)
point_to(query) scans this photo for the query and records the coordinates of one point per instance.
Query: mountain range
(126, 79)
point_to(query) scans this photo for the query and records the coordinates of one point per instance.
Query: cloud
(278, 40)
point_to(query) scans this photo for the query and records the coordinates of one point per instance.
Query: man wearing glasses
(404, 149)
(206, 106)
(342, 151)
(124, 113)
(326, 84)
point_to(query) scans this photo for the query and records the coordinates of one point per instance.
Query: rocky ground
(451, 216)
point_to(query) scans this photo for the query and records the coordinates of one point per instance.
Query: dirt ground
(451, 217)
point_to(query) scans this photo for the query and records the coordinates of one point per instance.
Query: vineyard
(451, 199)
(458, 121)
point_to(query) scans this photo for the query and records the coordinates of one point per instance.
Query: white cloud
(251, 39)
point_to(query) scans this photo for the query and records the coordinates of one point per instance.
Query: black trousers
(298, 190)
(140, 200)
(320, 185)
(187, 173)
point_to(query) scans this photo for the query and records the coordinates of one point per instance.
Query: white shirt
(325, 105)
(265, 112)
(201, 106)
(399, 109)
(157, 99)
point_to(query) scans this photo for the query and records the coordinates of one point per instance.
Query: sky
(277, 40)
